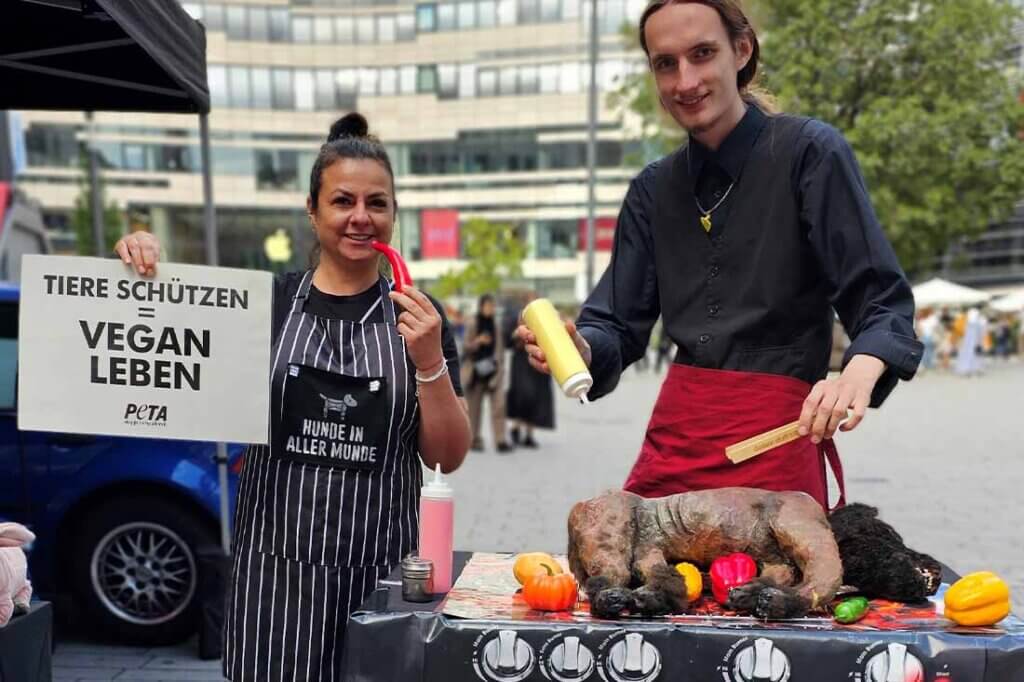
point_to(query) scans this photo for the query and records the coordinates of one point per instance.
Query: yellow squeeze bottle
(567, 366)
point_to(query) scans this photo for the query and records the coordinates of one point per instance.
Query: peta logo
(145, 414)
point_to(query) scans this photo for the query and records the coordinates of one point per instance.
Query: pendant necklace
(705, 217)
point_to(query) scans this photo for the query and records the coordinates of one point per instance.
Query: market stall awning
(1010, 303)
(941, 292)
(102, 55)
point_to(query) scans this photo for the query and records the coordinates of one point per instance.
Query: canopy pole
(96, 200)
(212, 258)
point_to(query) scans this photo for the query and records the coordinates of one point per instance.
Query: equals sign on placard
(147, 312)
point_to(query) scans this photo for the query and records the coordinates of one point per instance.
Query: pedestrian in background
(482, 373)
(530, 398)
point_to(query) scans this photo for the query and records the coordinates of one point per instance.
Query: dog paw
(611, 602)
(767, 601)
(651, 602)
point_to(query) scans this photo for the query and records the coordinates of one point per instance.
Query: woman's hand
(830, 400)
(536, 355)
(141, 250)
(420, 326)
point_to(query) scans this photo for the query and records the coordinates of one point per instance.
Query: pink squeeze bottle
(437, 524)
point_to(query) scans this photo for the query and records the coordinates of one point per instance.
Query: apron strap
(834, 463)
(299, 300)
(389, 306)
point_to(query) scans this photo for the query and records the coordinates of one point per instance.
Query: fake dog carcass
(622, 549)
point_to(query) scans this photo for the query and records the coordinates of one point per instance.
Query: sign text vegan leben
(181, 355)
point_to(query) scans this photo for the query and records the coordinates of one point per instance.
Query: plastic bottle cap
(577, 385)
(437, 487)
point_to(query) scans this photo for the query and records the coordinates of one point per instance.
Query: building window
(345, 29)
(323, 30)
(487, 13)
(569, 81)
(529, 11)
(386, 29)
(548, 75)
(304, 90)
(446, 18)
(302, 29)
(325, 99)
(232, 161)
(467, 14)
(213, 17)
(279, 25)
(347, 86)
(259, 24)
(388, 81)
(407, 80)
(277, 169)
(487, 82)
(238, 87)
(528, 80)
(426, 18)
(365, 30)
(507, 78)
(507, 12)
(218, 78)
(406, 27)
(367, 82)
(237, 29)
(134, 157)
(571, 9)
(283, 97)
(447, 81)
(467, 80)
(550, 10)
(426, 79)
(262, 95)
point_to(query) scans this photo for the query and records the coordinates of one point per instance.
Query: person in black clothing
(364, 388)
(744, 240)
(530, 402)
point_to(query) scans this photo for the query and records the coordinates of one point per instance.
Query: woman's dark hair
(736, 26)
(349, 138)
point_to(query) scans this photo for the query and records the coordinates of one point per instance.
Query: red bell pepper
(398, 266)
(731, 571)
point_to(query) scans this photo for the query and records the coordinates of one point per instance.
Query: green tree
(928, 97)
(493, 253)
(81, 214)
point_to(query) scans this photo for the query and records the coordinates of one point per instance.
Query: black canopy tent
(112, 55)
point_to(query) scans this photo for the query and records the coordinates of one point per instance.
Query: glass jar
(417, 579)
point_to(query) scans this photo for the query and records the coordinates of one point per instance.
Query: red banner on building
(604, 228)
(439, 233)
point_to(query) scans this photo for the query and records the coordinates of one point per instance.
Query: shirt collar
(735, 149)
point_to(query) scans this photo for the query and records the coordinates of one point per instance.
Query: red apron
(701, 411)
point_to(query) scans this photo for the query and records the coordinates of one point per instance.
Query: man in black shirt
(744, 241)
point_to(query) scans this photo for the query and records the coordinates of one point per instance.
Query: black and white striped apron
(314, 528)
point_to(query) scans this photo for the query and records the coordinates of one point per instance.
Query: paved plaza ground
(943, 460)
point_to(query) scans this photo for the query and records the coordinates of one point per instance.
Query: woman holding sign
(364, 386)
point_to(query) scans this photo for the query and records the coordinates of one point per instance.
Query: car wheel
(135, 570)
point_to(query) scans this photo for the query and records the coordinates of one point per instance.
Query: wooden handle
(752, 447)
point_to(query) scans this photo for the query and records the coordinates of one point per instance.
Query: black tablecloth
(26, 646)
(389, 639)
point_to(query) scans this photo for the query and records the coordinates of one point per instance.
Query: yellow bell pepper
(694, 582)
(981, 598)
(531, 563)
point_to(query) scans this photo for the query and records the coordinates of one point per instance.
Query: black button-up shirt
(834, 209)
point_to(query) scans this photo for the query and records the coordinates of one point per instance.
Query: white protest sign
(185, 354)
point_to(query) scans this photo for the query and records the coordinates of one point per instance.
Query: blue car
(118, 521)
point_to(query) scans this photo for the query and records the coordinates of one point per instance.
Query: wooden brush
(752, 447)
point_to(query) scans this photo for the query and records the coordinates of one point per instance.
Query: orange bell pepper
(981, 598)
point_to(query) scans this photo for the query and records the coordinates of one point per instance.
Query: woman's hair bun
(349, 125)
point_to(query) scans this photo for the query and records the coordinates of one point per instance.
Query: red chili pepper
(731, 571)
(398, 266)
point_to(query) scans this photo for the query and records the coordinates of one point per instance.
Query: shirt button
(705, 338)
(713, 310)
(713, 271)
